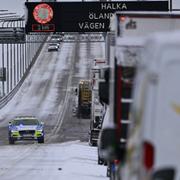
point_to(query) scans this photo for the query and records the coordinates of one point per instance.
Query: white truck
(153, 145)
(97, 107)
(130, 30)
(139, 24)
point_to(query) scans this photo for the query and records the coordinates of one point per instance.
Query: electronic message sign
(81, 16)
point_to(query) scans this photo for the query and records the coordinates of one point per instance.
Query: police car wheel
(11, 141)
(41, 140)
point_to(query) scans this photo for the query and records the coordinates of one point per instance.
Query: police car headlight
(39, 130)
(14, 131)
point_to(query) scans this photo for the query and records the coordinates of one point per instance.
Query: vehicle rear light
(122, 18)
(148, 155)
(116, 161)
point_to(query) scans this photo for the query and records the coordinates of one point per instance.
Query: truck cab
(152, 148)
(97, 107)
(130, 29)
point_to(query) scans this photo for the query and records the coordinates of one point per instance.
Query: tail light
(116, 161)
(148, 155)
(122, 18)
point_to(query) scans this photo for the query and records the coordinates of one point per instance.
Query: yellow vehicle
(84, 98)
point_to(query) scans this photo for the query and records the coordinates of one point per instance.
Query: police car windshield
(25, 122)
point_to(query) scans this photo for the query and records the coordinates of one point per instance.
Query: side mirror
(110, 147)
(104, 92)
(107, 144)
(10, 123)
(42, 123)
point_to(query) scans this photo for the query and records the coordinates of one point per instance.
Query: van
(153, 147)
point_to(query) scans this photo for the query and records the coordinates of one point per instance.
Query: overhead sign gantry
(81, 16)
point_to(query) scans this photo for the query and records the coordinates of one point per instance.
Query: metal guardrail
(72, 37)
(4, 100)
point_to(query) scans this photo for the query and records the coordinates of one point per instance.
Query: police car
(26, 128)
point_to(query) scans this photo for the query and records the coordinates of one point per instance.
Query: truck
(130, 30)
(152, 147)
(83, 93)
(97, 108)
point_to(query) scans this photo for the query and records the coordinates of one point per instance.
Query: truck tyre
(93, 143)
(108, 172)
(112, 175)
(90, 141)
(100, 161)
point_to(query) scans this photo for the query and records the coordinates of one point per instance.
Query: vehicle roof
(52, 46)
(56, 44)
(24, 117)
(53, 43)
(140, 24)
(148, 14)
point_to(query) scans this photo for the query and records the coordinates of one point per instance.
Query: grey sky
(13, 6)
(18, 5)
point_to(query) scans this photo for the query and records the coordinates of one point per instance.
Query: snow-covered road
(47, 93)
(66, 161)
(38, 95)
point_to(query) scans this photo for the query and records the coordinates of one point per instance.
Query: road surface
(48, 94)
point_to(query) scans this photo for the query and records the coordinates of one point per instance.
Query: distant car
(54, 44)
(26, 128)
(56, 39)
(53, 47)
(70, 37)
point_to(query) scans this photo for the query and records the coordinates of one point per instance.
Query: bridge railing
(18, 52)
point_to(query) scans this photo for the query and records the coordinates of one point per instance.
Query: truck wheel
(100, 161)
(108, 173)
(90, 142)
(105, 163)
(94, 144)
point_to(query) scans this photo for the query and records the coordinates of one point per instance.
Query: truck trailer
(84, 99)
(97, 108)
(127, 27)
